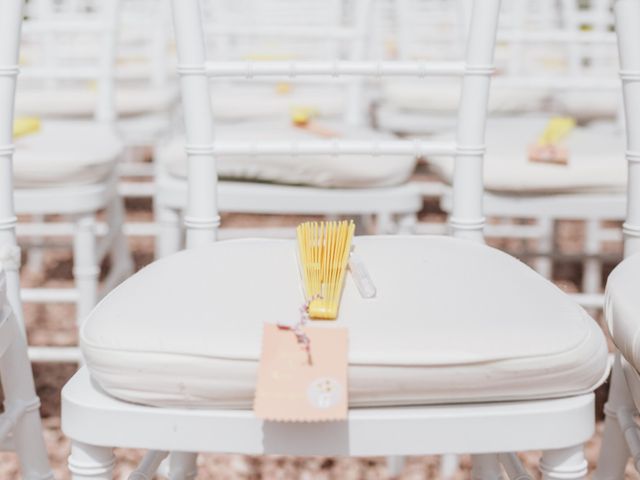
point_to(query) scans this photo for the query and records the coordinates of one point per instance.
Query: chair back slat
(627, 14)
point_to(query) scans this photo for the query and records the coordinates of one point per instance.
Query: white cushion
(596, 159)
(251, 102)
(436, 97)
(586, 105)
(453, 321)
(65, 153)
(622, 308)
(346, 171)
(81, 102)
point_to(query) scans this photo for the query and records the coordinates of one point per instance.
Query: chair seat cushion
(443, 97)
(65, 153)
(453, 321)
(596, 159)
(340, 171)
(81, 102)
(622, 308)
(586, 105)
(255, 102)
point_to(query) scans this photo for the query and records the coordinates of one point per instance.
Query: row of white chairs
(376, 185)
(171, 353)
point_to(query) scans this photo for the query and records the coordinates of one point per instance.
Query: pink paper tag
(296, 387)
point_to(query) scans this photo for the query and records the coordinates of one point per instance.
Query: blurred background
(100, 168)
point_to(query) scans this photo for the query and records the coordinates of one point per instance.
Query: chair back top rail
(202, 217)
(627, 13)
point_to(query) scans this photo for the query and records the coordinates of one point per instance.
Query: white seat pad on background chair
(186, 330)
(341, 171)
(66, 153)
(588, 105)
(596, 159)
(81, 102)
(241, 102)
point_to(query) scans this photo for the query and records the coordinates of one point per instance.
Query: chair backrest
(202, 218)
(10, 21)
(627, 14)
(68, 44)
(144, 45)
(297, 30)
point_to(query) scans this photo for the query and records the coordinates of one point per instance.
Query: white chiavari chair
(275, 181)
(20, 426)
(590, 187)
(145, 97)
(621, 439)
(482, 356)
(405, 107)
(68, 166)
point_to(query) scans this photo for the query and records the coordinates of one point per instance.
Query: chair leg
(35, 257)
(19, 391)
(88, 462)
(449, 465)
(543, 264)
(169, 237)
(485, 467)
(564, 464)
(182, 466)
(85, 265)
(120, 254)
(614, 452)
(592, 267)
(395, 465)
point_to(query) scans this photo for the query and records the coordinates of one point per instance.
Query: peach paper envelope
(293, 389)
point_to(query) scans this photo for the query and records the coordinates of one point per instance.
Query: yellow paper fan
(25, 125)
(324, 249)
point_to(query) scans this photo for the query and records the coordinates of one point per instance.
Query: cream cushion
(439, 97)
(622, 308)
(253, 102)
(81, 102)
(588, 105)
(66, 153)
(596, 159)
(344, 171)
(453, 321)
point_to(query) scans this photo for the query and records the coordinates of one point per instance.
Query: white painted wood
(21, 417)
(556, 426)
(564, 464)
(437, 429)
(616, 448)
(88, 462)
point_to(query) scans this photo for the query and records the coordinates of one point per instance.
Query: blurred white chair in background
(172, 352)
(20, 426)
(590, 187)
(145, 95)
(67, 166)
(279, 181)
(433, 30)
(621, 438)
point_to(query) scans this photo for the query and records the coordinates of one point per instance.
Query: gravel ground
(54, 325)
